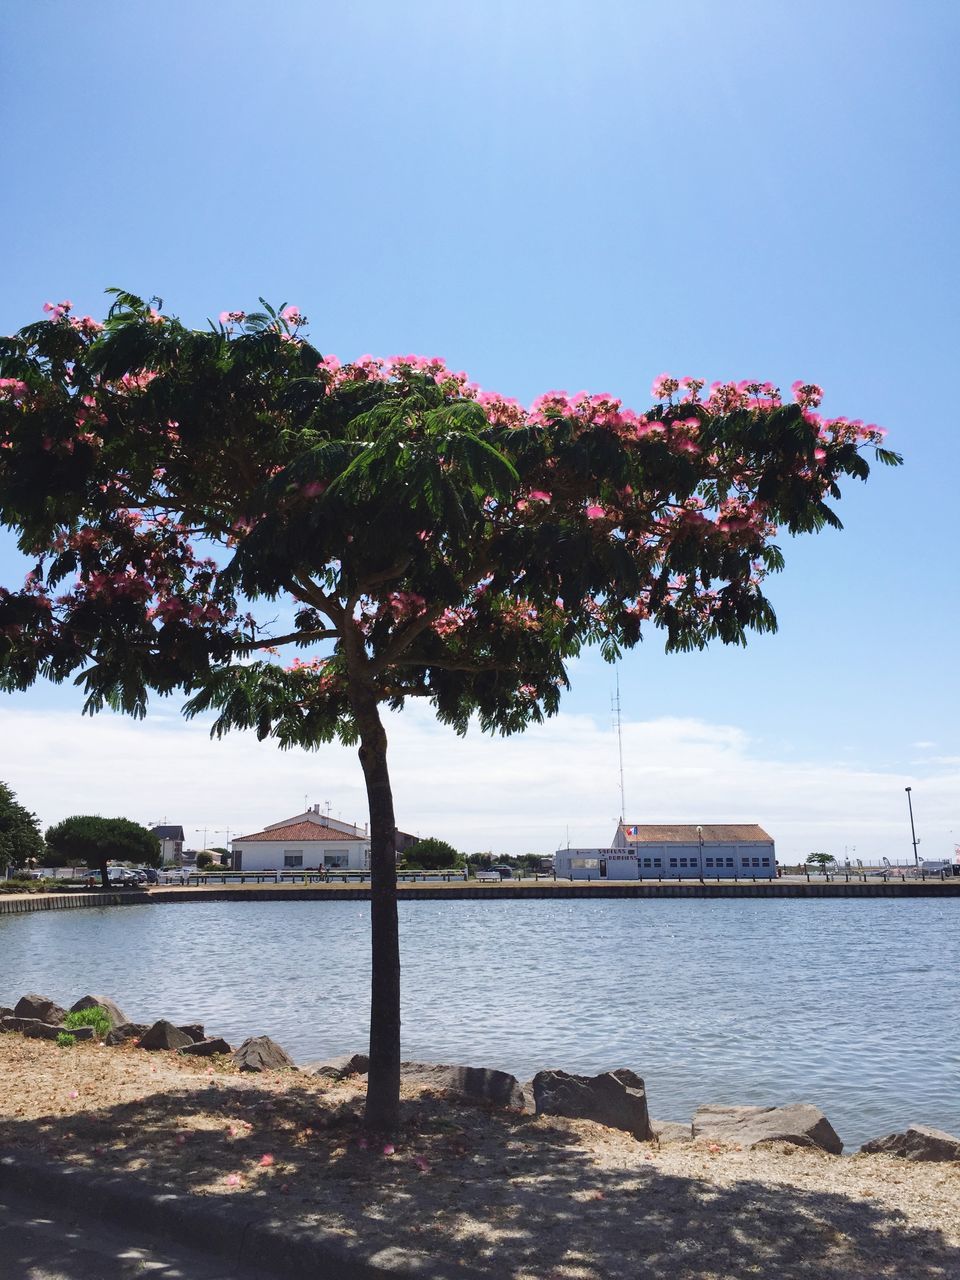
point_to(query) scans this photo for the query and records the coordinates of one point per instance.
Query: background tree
(433, 855)
(412, 535)
(95, 841)
(821, 860)
(20, 838)
(204, 859)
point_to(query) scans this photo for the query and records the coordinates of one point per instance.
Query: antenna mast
(618, 724)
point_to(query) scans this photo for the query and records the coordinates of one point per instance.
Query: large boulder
(126, 1031)
(117, 1019)
(37, 1030)
(164, 1035)
(348, 1064)
(799, 1124)
(671, 1131)
(40, 1007)
(483, 1084)
(206, 1048)
(917, 1142)
(194, 1030)
(617, 1099)
(260, 1053)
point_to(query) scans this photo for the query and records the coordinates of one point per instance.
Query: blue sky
(551, 195)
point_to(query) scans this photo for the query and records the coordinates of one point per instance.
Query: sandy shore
(505, 1194)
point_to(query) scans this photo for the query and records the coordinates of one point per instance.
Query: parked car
(122, 876)
(505, 873)
(152, 876)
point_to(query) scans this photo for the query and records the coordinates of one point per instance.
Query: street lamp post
(700, 842)
(913, 833)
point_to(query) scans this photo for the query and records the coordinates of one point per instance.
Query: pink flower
(233, 1180)
(664, 385)
(539, 495)
(389, 1149)
(595, 513)
(292, 315)
(266, 1160)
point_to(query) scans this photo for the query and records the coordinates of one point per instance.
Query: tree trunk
(104, 877)
(383, 1081)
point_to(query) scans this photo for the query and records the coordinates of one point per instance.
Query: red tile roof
(686, 833)
(299, 831)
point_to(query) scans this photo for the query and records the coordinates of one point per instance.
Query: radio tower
(618, 725)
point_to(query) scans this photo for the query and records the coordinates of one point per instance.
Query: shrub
(65, 1040)
(96, 1017)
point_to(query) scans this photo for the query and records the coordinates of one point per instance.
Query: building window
(708, 862)
(756, 862)
(585, 864)
(646, 862)
(766, 862)
(658, 862)
(336, 860)
(292, 859)
(673, 862)
(683, 862)
(729, 862)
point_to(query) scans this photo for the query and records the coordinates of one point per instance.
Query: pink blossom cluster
(453, 620)
(12, 389)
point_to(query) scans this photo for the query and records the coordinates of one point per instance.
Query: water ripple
(852, 1005)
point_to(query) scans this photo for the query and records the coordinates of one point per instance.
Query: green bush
(65, 1040)
(96, 1017)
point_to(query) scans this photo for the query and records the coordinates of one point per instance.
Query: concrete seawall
(16, 904)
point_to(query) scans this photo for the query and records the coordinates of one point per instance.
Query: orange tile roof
(300, 831)
(686, 833)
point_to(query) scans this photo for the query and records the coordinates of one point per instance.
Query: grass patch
(65, 1040)
(96, 1017)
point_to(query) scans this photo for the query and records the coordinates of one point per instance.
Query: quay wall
(16, 904)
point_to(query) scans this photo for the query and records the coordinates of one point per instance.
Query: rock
(194, 1030)
(798, 1123)
(126, 1031)
(5, 1012)
(117, 1019)
(617, 1099)
(348, 1064)
(483, 1084)
(37, 1030)
(206, 1048)
(671, 1131)
(917, 1142)
(164, 1035)
(40, 1007)
(260, 1053)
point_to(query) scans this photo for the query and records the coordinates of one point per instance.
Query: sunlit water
(852, 1005)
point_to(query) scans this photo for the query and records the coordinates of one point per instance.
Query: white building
(675, 851)
(309, 841)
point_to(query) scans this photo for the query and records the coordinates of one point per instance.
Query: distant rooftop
(167, 833)
(686, 833)
(300, 832)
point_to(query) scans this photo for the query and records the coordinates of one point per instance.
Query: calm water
(852, 1005)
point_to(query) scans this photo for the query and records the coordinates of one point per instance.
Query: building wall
(313, 855)
(721, 860)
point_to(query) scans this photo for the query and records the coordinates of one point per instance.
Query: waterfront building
(309, 841)
(675, 851)
(171, 843)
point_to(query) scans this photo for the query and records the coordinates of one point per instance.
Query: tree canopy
(20, 838)
(432, 855)
(195, 501)
(95, 841)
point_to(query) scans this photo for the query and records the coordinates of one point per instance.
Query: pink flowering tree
(200, 503)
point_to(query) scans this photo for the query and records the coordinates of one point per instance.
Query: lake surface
(853, 1005)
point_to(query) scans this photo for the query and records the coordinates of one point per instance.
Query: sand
(500, 1193)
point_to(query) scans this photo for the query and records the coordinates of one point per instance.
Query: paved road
(36, 1245)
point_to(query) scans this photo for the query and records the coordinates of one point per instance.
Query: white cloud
(508, 795)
